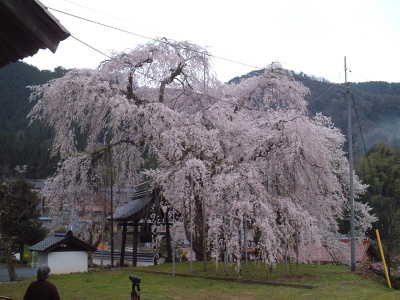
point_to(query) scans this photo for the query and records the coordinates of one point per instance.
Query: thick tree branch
(169, 79)
(130, 93)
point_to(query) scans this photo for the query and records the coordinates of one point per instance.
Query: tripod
(134, 294)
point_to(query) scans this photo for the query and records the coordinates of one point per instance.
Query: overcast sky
(311, 36)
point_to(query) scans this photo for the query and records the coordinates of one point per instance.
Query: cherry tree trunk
(197, 229)
(9, 257)
(168, 240)
(90, 259)
(21, 254)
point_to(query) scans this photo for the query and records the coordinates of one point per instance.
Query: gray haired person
(42, 288)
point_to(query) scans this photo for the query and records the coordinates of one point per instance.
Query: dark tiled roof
(45, 244)
(62, 240)
(25, 27)
(136, 208)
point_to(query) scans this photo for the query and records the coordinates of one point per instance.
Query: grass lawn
(328, 282)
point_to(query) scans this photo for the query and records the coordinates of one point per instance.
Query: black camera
(135, 280)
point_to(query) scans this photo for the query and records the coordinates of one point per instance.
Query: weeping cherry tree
(242, 151)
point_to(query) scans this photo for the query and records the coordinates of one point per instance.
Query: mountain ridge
(376, 112)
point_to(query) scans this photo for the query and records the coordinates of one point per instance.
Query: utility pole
(352, 226)
(204, 201)
(225, 231)
(191, 224)
(173, 231)
(112, 209)
(245, 237)
(173, 239)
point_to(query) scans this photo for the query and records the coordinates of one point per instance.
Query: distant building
(337, 254)
(63, 253)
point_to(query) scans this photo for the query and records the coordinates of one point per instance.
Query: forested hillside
(377, 113)
(375, 110)
(22, 144)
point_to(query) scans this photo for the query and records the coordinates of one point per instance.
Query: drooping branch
(99, 153)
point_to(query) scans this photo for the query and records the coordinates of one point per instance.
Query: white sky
(311, 36)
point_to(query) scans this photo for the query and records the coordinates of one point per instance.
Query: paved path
(106, 262)
(31, 272)
(21, 272)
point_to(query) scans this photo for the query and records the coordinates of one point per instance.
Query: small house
(63, 253)
(338, 253)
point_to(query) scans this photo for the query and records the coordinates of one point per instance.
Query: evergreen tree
(382, 173)
(17, 209)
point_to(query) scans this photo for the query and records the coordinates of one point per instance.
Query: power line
(204, 53)
(361, 134)
(149, 38)
(376, 83)
(110, 16)
(331, 85)
(102, 24)
(219, 57)
(320, 96)
(93, 48)
(216, 57)
(200, 52)
(146, 75)
(119, 19)
(212, 97)
(193, 91)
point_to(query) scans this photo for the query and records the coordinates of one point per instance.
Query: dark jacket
(41, 290)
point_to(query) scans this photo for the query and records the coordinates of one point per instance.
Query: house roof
(137, 208)
(340, 253)
(25, 27)
(62, 241)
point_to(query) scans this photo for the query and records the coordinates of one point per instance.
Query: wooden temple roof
(137, 208)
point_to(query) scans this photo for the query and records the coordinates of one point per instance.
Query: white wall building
(63, 253)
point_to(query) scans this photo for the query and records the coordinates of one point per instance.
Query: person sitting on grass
(42, 289)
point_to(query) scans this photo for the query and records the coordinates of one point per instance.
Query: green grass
(329, 282)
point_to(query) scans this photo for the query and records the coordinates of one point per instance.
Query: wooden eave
(25, 27)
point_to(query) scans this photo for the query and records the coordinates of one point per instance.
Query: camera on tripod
(135, 280)
(135, 283)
